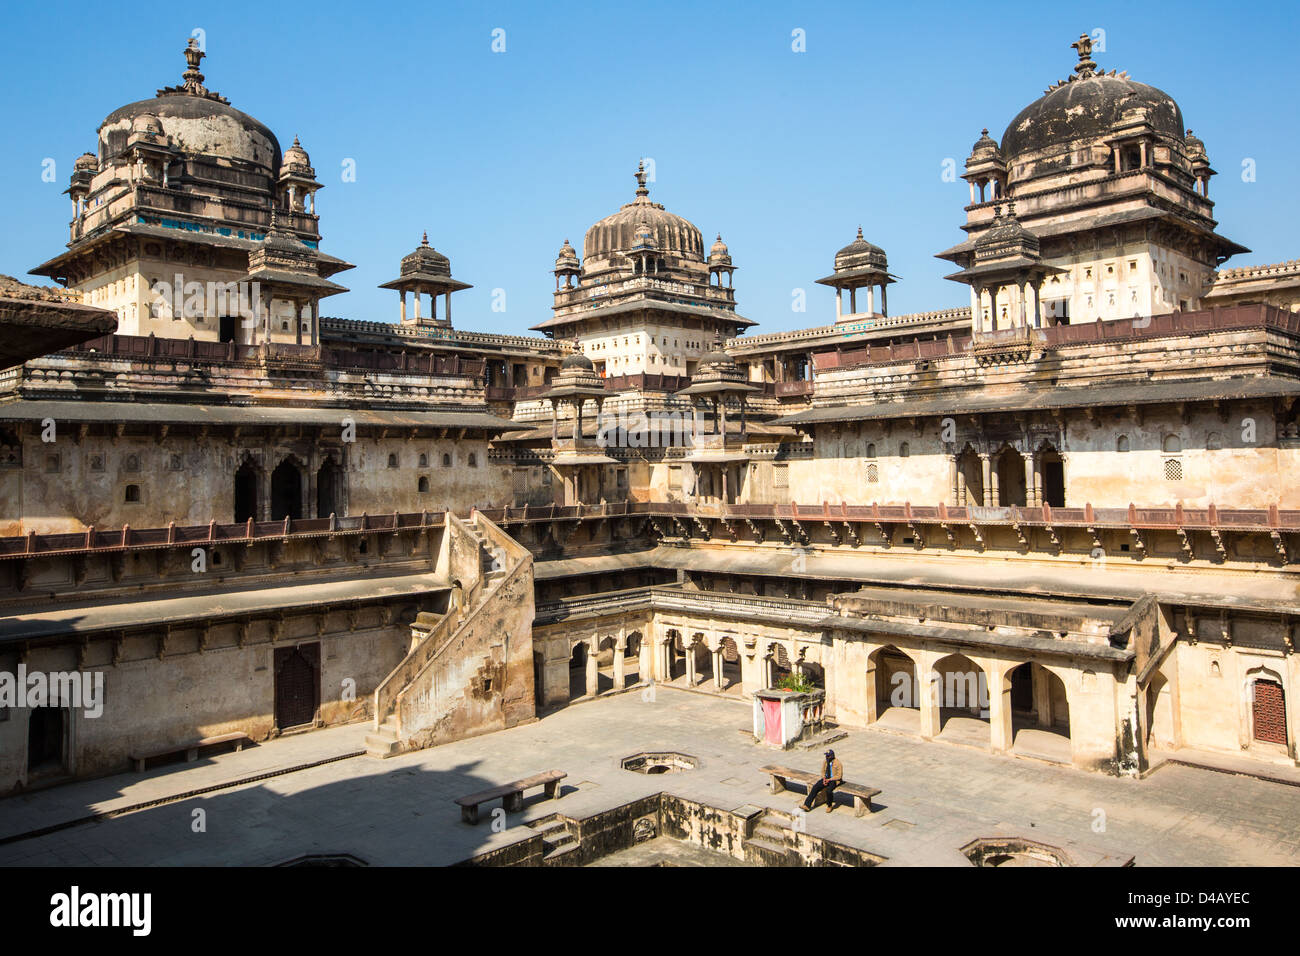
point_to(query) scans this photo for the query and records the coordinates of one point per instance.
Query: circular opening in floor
(660, 763)
(1013, 852)
(325, 859)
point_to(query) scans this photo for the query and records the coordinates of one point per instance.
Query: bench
(192, 748)
(782, 776)
(512, 794)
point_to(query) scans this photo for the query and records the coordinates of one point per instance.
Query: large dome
(618, 233)
(197, 120)
(1087, 107)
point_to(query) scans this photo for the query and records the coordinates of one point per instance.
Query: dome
(986, 147)
(567, 258)
(1006, 237)
(577, 360)
(196, 119)
(719, 254)
(295, 155)
(86, 161)
(1087, 107)
(147, 123)
(618, 233)
(426, 260)
(860, 254)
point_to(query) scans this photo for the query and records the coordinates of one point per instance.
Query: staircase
(557, 839)
(430, 690)
(771, 843)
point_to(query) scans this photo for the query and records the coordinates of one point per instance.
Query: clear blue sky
(501, 156)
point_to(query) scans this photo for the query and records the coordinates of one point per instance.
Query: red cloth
(772, 721)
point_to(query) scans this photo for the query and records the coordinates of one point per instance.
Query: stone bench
(512, 794)
(782, 776)
(191, 748)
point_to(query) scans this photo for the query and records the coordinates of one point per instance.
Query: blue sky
(501, 156)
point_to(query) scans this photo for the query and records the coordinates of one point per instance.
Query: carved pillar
(954, 479)
(986, 466)
(619, 648)
(1031, 480)
(593, 674)
(690, 664)
(718, 682)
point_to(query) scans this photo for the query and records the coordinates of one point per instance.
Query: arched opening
(297, 685)
(1160, 714)
(132, 494)
(972, 474)
(632, 659)
(422, 486)
(1052, 471)
(1011, 478)
(605, 665)
(46, 733)
(578, 671)
(246, 492)
(329, 489)
(731, 671)
(286, 491)
(779, 664)
(960, 692)
(1040, 713)
(1267, 709)
(891, 679)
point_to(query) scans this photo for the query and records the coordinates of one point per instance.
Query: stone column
(928, 692)
(884, 299)
(1031, 483)
(717, 667)
(986, 466)
(418, 296)
(1042, 696)
(619, 649)
(593, 675)
(1000, 730)
(644, 668)
(871, 300)
(401, 294)
(954, 479)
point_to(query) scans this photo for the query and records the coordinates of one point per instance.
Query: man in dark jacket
(832, 775)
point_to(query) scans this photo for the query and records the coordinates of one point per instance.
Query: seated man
(832, 776)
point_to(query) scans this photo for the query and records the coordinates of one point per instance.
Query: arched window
(873, 474)
(424, 460)
(422, 486)
(904, 450)
(1214, 441)
(1172, 444)
(1121, 443)
(132, 494)
(392, 461)
(473, 460)
(871, 449)
(446, 461)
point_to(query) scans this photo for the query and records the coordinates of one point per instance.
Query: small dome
(643, 240)
(1195, 149)
(295, 155)
(425, 259)
(86, 161)
(568, 257)
(986, 147)
(718, 254)
(718, 357)
(147, 123)
(1006, 237)
(577, 360)
(860, 254)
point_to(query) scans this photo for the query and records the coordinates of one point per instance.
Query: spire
(860, 233)
(424, 241)
(641, 191)
(1085, 67)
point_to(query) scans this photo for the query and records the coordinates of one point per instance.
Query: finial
(425, 240)
(984, 131)
(859, 232)
(640, 179)
(296, 143)
(192, 77)
(1085, 67)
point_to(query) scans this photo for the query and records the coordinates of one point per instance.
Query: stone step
(770, 833)
(559, 849)
(758, 850)
(548, 826)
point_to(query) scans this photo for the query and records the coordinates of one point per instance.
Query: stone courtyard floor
(935, 797)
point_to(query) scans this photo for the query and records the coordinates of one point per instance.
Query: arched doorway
(1267, 709)
(778, 664)
(578, 671)
(960, 693)
(1011, 478)
(329, 489)
(1160, 713)
(286, 491)
(891, 679)
(632, 659)
(731, 671)
(246, 493)
(1040, 713)
(703, 659)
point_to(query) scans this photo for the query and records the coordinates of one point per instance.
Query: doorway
(297, 685)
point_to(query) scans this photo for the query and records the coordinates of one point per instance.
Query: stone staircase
(442, 658)
(557, 839)
(771, 843)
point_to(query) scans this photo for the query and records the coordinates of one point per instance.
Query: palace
(1057, 523)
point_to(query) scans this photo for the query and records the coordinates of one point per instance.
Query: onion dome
(718, 254)
(577, 360)
(860, 254)
(147, 123)
(297, 161)
(717, 356)
(1086, 107)
(1195, 148)
(567, 259)
(193, 115)
(86, 161)
(618, 233)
